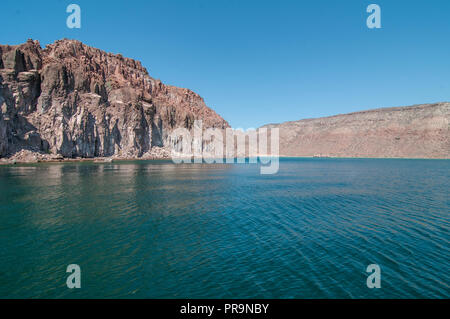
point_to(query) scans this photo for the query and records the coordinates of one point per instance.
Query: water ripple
(158, 230)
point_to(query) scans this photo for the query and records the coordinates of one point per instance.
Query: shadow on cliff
(22, 135)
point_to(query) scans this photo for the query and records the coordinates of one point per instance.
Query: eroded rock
(77, 101)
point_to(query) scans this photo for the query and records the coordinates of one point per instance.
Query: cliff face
(78, 101)
(73, 100)
(421, 131)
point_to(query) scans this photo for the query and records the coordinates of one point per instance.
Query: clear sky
(259, 62)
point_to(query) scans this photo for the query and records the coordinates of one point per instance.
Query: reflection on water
(159, 230)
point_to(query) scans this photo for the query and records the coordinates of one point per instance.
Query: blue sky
(259, 62)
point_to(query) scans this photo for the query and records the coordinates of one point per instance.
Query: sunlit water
(160, 230)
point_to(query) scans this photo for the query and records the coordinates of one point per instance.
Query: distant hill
(420, 131)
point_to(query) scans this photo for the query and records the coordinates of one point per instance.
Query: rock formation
(70, 100)
(73, 100)
(420, 131)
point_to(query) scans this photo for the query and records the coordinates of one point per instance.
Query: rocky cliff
(420, 131)
(74, 101)
(77, 101)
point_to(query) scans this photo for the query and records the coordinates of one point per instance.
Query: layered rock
(78, 101)
(420, 131)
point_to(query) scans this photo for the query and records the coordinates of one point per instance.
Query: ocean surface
(153, 229)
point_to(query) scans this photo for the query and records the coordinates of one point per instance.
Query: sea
(155, 229)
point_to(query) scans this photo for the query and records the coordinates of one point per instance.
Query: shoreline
(109, 160)
(99, 160)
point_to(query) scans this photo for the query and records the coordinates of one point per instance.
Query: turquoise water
(160, 230)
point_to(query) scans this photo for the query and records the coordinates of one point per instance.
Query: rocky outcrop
(77, 101)
(420, 131)
(70, 100)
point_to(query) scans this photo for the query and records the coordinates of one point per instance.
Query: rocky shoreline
(31, 157)
(28, 157)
